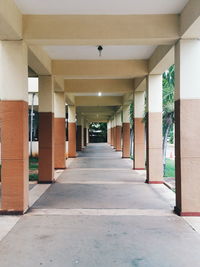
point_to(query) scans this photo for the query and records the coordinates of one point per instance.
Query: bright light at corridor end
(99, 94)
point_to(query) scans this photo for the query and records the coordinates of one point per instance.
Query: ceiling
(91, 52)
(97, 7)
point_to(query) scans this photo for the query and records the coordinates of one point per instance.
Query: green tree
(168, 107)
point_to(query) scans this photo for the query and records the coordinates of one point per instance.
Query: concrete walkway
(101, 213)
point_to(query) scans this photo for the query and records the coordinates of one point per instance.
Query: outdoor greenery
(168, 109)
(98, 132)
(33, 169)
(169, 168)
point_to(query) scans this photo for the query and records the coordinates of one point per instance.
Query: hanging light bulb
(100, 49)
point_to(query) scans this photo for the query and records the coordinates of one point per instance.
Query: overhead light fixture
(99, 93)
(100, 49)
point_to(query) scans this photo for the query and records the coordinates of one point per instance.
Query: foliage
(170, 168)
(98, 132)
(33, 169)
(168, 108)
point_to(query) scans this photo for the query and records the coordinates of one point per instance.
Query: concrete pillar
(114, 132)
(126, 132)
(82, 128)
(109, 132)
(85, 133)
(60, 133)
(154, 130)
(139, 132)
(71, 131)
(118, 132)
(46, 129)
(187, 127)
(79, 133)
(14, 127)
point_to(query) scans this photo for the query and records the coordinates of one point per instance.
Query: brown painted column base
(186, 214)
(154, 182)
(126, 140)
(46, 147)
(14, 155)
(139, 145)
(187, 160)
(72, 140)
(118, 138)
(154, 148)
(79, 138)
(60, 139)
(111, 135)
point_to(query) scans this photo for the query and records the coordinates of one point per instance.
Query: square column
(60, 133)
(109, 132)
(154, 130)
(14, 127)
(72, 131)
(187, 127)
(82, 135)
(85, 133)
(118, 132)
(114, 132)
(126, 132)
(79, 133)
(139, 132)
(46, 129)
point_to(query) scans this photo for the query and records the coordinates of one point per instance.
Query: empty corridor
(101, 213)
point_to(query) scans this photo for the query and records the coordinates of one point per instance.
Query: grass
(33, 169)
(170, 168)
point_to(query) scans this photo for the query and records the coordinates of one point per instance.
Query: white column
(139, 132)
(187, 127)
(154, 130)
(14, 126)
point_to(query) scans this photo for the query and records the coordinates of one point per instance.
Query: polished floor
(101, 213)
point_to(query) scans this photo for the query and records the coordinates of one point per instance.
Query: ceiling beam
(98, 101)
(98, 85)
(58, 84)
(11, 21)
(190, 20)
(140, 84)
(39, 61)
(100, 29)
(94, 109)
(162, 59)
(124, 69)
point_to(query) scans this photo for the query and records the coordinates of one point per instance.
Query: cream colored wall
(154, 93)
(13, 70)
(71, 114)
(126, 114)
(118, 119)
(139, 104)
(59, 105)
(187, 69)
(46, 94)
